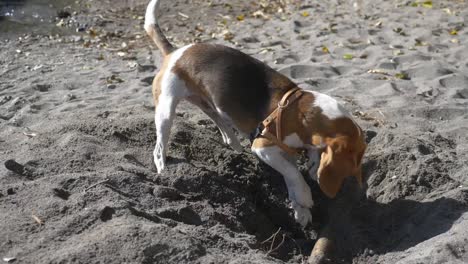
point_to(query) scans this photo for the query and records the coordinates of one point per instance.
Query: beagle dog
(238, 92)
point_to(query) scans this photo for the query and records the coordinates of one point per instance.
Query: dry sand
(77, 117)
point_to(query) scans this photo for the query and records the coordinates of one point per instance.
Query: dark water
(31, 16)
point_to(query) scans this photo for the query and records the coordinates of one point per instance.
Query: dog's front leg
(313, 155)
(226, 130)
(298, 190)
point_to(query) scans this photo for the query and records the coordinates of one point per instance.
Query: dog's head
(341, 158)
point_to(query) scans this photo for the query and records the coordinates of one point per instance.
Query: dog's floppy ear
(330, 173)
(339, 160)
(358, 172)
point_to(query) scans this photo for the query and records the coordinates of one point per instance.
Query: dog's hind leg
(168, 90)
(168, 94)
(163, 119)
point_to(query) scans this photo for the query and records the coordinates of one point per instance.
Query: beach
(77, 179)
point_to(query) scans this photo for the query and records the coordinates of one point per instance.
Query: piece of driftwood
(322, 248)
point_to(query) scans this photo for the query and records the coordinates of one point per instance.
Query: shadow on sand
(362, 226)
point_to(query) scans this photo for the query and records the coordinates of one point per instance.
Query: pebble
(69, 97)
(77, 38)
(42, 87)
(111, 86)
(61, 193)
(250, 40)
(181, 214)
(61, 23)
(7, 259)
(81, 28)
(144, 68)
(106, 213)
(167, 193)
(14, 166)
(147, 80)
(5, 99)
(11, 191)
(63, 14)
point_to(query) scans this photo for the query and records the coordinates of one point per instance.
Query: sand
(77, 181)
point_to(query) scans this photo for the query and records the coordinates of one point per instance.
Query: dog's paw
(160, 164)
(159, 159)
(301, 214)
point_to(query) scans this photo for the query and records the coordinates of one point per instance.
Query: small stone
(69, 97)
(9, 260)
(424, 150)
(11, 191)
(144, 68)
(250, 40)
(61, 193)
(111, 86)
(81, 29)
(61, 23)
(106, 213)
(181, 214)
(5, 99)
(167, 193)
(14, 166)
(370, 134)
(77, 38)
(63, 14)
(147, 80)
(37, 67)
(42, 87)
(120, 135)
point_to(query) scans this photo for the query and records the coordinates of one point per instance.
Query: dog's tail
(154, 31)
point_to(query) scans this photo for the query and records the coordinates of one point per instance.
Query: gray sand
(76, 117)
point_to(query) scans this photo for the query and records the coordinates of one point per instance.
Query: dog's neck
(310, 124)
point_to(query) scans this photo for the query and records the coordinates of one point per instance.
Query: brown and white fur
(237, 92)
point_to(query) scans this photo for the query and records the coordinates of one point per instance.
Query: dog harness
(263, 128)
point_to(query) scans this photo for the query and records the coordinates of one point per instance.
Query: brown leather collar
(288, 98)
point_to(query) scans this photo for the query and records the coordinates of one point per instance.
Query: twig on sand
(96, 184)
(272, 238)
(367, 117)
(183, 15)
(380, 112)
(37, 219)
(279, 245)
(379, 71)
